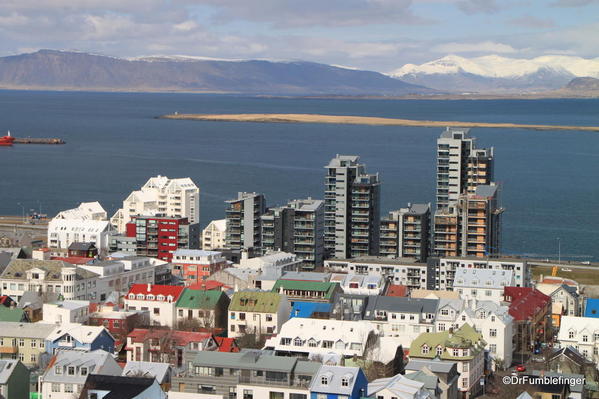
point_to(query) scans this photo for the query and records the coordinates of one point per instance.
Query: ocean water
(114, 143)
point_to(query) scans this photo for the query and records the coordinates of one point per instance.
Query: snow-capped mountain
(495, 73)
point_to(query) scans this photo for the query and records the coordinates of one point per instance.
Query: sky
(380, 35)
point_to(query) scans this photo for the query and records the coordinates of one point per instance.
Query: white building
(397, 386)
(86, 223)
(442, 273)
(320, 337)
(159, 300)
(64, 379)
(67, 312)
(161, 196)
(490, 319)
(213, 236)
(581, 333)
(256, 312)
(401, 271)
(564, 296)
(276, 259)
(482, 284)
(359, 284)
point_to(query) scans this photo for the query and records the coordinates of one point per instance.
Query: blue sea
(114, 144)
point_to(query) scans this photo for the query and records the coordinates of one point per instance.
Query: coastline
(362, 120)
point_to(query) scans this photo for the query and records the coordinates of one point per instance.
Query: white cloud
(481, 47)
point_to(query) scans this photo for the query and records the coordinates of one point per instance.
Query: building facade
(405, 233)
(213, 235)
(159, 300)
(243, 222)
(351, 209)
(258, 313)
(195, 265)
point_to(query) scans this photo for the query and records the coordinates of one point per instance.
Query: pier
(36, 140)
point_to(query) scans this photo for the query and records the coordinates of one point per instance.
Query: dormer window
(131, 296)
(140, 297)
(150, 297)
(571, 334)
(439, 350)
(298, 341)
(345, 382)
(425, 349)
(160, 297)
(324, 380)
(169, 298)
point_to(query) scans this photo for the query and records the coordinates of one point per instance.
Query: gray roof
(334, 374)
(448, 132)
(94, 361)
(6, 368)
(245, 360)
(431, 382)
(306, 276)
(15, 329)
(336, 162)
(34, 300)
(400, 305)
(436, 366)
(159, 371)
(17, 269)
(81, 246)
(483, 278)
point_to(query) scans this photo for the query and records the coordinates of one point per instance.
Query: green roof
(254, 301)
(8, 314)
(327, 288)
(465, 337)
(199, 299)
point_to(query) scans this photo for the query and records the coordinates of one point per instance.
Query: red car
(520, 368)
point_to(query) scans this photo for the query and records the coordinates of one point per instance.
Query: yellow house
(24, 341)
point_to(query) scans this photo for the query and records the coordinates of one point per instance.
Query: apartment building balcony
(444, 247)
(9, 349)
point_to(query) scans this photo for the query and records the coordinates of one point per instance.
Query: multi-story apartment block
(482, 284)
(582, 333)
(405, 232)
(460, 165)
(351, 209)
(531, 310)
(24, 341)
(86, 223)
(489, 318)
(408, 272)
(161, 196)
(246, 375)
(310, 337)
(160, 237)
(403, 319)
(442, 270)
(243, 222)
(195, 265)
(159, 300)
(470, 226)
(213, 235)
(298, 228)
(257, 312)
(65, 377)
(464, 346)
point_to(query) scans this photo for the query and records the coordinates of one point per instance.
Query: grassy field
(582, 276)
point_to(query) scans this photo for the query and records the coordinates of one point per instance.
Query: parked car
(520, 368)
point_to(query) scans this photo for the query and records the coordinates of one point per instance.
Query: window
(71, 370)
(327, 344)
(58, 370)
(34, 343)
(298, 396)
(55, 387)
(157, 311)
(276, 395)
(493, 348)
(585, 338)
(321, 396)
(248, 394)
(439, 350)
(493, 332)
(324, 380)
(570, 334)
(456, 352)
(312, 343)
(441, 327)
(298, 342)
(425, 349)
(33, 358)
(21, 342)
(68, 388)
(488, 293)
(83, 371)
(464, 366)
(344, 382)
(285, 341)
(206, 388)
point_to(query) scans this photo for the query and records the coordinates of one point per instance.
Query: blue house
(338, 382)
(78, 336)
(591, 308)
(307, 309)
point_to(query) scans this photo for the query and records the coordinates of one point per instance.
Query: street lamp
(559, 250)
(22, 206)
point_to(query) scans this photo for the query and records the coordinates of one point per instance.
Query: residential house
(430, 381)
(213, 235)
(311, 337)
(82, 250)
(79, 337)
(446, 371)
(66, 374)
(165, 345)
(582, 333)
(33, 303)
(250, 374)
(482, 284)
(359, 284)
(13, 314)
(159, 300)
(493, 321)
(397, 290)
(202, 308)
(568, 360)
(403, 319)
(435, 294)
(67, 311)
(24, 341)
(531, 310)
(564, 299)
(464, 346)
(14, 380)
(161, 372)
(338, 382)
(108, 386)
(398, 386)
(256, 312)
(119, 322)
(195, 265)
(306, 291)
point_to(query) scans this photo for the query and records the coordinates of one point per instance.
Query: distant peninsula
(363, 120)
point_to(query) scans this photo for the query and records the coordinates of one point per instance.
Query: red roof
(208, 285)
(154, 289)
(74, 260)
(559, 281)
(397, 290)
(5, 300)
(180, 338)
(526, 302)
(227, 344)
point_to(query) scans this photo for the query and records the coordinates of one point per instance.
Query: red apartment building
(195, 265)
(160, 236)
